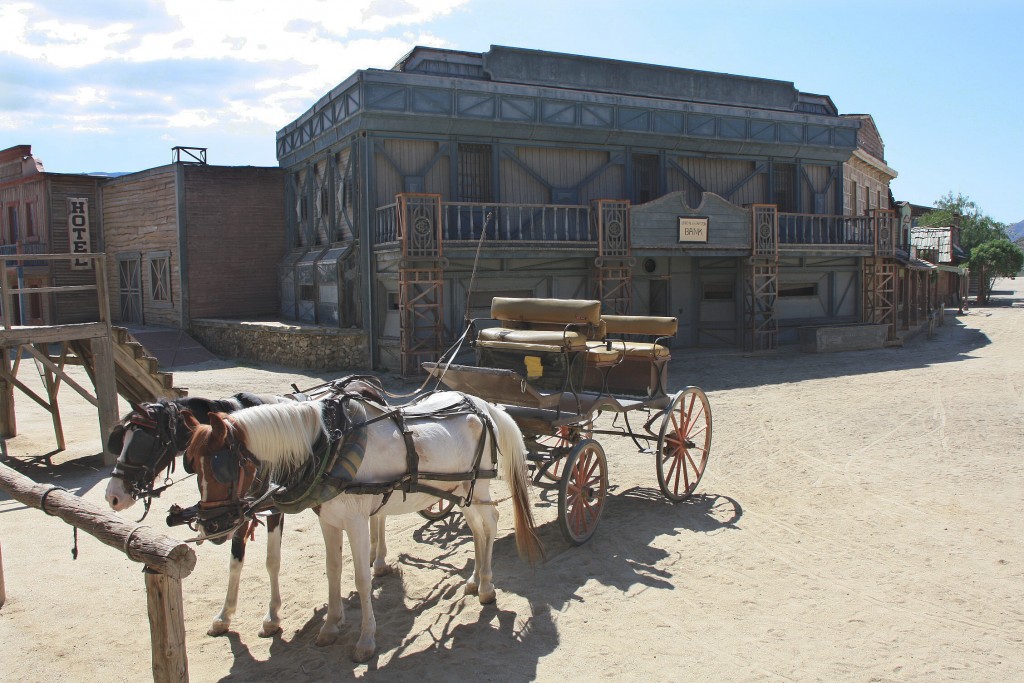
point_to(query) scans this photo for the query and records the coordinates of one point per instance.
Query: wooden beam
(105, 382)
(52, 388)
(8, 421)
(5, 374)
(3, 590)
(166, 627)
(162, 553)
(45, 334)
(59, 372)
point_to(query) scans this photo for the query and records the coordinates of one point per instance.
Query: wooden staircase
(138, 375)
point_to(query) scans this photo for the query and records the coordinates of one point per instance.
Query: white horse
(451, 436)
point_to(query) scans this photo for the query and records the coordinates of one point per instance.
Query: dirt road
(860, 520)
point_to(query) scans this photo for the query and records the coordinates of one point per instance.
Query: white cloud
(299, 50)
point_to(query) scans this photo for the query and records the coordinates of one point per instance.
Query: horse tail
(512, 460)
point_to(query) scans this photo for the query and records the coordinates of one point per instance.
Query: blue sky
(112, 85)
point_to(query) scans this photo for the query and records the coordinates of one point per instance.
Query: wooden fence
(167, 561)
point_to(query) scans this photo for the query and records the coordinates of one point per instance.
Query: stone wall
(292, 345)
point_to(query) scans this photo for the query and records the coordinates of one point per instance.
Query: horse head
(225, 471)
(146, 441)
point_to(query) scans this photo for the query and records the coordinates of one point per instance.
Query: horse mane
(280, 435)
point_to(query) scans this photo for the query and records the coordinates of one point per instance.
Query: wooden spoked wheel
(564, 438)
(582, 491)
(684, 444)
(439, 510)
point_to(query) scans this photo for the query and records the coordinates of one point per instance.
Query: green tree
(976, 227)
(992, 259)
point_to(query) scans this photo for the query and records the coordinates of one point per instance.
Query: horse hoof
(324, 639)
(471, 589)
(270, 630)
(381, 570)
(219, 628)
(487, 597)
(362, 654)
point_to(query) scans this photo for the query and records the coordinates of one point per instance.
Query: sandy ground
(859, 521)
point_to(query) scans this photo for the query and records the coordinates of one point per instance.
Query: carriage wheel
(564, 438)
(439, 510)
(582, 491)
(684, 444)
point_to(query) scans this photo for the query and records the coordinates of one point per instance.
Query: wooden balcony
(423, 223)
(870, 235)
(22, 248)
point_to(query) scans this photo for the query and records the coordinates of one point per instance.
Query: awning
(914, 263)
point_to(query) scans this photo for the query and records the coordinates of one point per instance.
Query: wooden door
(129, 277)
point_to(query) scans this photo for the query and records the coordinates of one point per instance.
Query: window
(30, 222)
(475, 174)
(645, 178)
(12, 225)
(714, 291)
(794, 290)
(783, 187)
(160, 278)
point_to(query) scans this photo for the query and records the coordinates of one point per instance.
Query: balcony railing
(465, 221)
(574, 226)
(814, 230)
(22, 248)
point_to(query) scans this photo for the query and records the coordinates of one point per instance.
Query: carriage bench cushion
(556, 311)
(540, 340)
(537, 325)
(641, 325)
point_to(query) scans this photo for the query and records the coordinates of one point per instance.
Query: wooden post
(3, 591)
(8, 422)
(166, 627)
(167, 562)
(106, 390)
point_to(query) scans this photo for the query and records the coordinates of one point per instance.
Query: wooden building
(742, 206)
(45, 213)
(184, 241)
(192, 240)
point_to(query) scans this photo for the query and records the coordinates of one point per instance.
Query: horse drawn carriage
(553, 365)
(556, 365)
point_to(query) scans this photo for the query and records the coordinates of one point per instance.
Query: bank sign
(78, 231)
(693, 229)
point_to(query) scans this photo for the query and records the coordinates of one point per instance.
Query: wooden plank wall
(76, 307)
(140, 215)
(236, 241)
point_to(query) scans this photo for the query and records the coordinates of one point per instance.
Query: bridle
(236, 468)
(152, 449)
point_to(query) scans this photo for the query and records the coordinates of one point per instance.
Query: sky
(113, 85)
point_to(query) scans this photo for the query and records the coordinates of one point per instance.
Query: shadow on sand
(623, 555)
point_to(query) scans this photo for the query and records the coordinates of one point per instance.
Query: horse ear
(189, 420)
(219, 426)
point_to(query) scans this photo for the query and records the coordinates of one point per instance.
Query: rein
(228, 466)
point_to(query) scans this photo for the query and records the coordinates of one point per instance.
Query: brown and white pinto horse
(276, 440)
(148, 440)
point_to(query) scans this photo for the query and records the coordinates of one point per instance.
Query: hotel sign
(693, 229)
(78, 231)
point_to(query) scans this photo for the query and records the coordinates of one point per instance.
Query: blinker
(141, 448)
(225, 466)
(115, 442)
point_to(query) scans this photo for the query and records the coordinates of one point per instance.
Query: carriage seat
(641, 336)
(554, 325)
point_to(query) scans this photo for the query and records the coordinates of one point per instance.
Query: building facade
(45, 213)
(190, 240)
(742, 206)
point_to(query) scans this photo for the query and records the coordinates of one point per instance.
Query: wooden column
(8, 423)
(166, 627)
(106, 390)
(3, 591)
